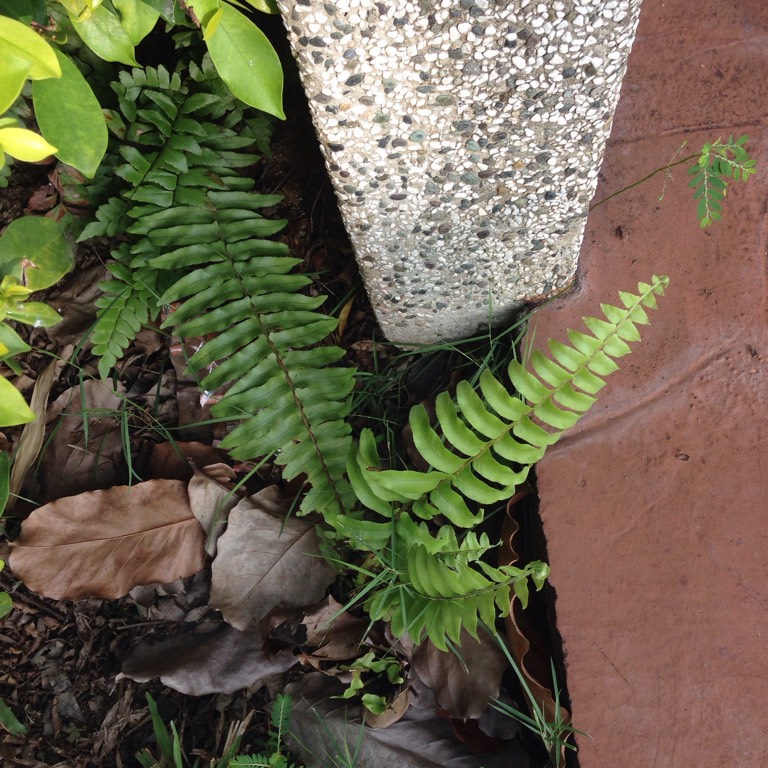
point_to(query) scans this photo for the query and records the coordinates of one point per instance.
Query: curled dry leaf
(465, 681)
(525, 644)
(32, 437)
(222, 661)
(336, 634)
(104, 543)
(211, 502)
(265, 561)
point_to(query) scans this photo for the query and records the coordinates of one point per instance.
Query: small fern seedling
(717, 163)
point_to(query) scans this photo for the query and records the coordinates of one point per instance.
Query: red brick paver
(656, 507)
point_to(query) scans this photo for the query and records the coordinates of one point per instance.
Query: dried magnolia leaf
(324, 729)
(104, 543)
(265, 561)
(222, 661)
(464, 682)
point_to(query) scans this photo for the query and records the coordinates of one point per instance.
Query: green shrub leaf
(247, 62)
(15, 72)
(19, 41)
(103, 33)
(34, 250)
(138, 18)
(70, 117)
(13, 407)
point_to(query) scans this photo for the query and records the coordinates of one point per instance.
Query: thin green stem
(643, 180)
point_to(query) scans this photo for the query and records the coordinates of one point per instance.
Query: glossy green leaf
(104, 35)
(34, 313)
(25, 11)
(247, 62)
(18, 40)
(137, 17)
(13, 407)
(11, 343)
(265, 6)
(70, 117)
(34, 250)
(14, 73)
(25, 145)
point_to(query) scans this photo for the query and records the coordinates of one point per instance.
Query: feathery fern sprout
(718, 162)
(488, 440)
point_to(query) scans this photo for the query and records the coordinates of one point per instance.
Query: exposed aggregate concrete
(463, 139)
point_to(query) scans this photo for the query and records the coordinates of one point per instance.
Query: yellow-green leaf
(13, 408)
(70, 116)
(25, 145)
(104, 35)
(16, 39)
(247, 62)
(15, 71)
(137, 17)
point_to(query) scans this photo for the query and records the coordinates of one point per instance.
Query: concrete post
(464, 139)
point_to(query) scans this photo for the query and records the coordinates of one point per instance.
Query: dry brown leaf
(394, 712)
(211, 502)
(172, 460)
(463, 685)
(31, 440)
(74, 299)
(265, 561)
(104, 543)
(336, 634)
(323, 728)
(222, 661)
(524, 643)
(80, 458)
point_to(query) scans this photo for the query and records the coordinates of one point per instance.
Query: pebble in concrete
(463, 138)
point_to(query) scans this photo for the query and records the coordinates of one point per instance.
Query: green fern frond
(170, 153)
(718, 162)
(197, 235)
(487, 442)
(242, 290)
(439, 597)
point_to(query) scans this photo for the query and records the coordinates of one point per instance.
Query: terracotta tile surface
(656, 509)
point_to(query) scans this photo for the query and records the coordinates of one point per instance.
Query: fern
(279, 722)
(197, 237)
(717, 163)
(172, 151)
(487, 442)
